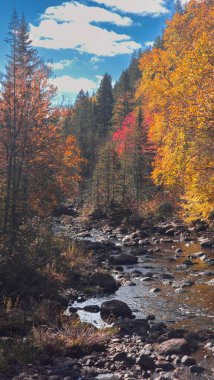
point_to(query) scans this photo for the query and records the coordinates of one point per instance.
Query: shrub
(165, 210)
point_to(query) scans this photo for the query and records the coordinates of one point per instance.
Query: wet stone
(188, 360)
(196, 369)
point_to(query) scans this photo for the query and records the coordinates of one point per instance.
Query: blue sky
(84, 39)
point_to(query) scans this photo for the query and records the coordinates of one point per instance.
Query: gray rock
(115, 309)
(164, 365)
(146, 362)
(166, 241)
(136, 273)
(120, 356)
(92, 308)
(188, 262)
(196, 369)
(132, 325)
(180, 290)
(147, 279)
(167, 276)
(123, 259)
(159, 326)
(207, 244)
(104, 280)
(182, 284)
(198, 255)
(211, 282)
(188, 360)
(170, 232)
(209, 262)
(173, 346)
(155, 290)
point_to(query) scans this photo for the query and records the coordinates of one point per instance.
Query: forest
(134, 160)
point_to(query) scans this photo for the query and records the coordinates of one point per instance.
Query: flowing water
(191, 307)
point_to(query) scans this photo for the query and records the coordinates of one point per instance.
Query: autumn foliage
(176, 91)
(38, 165)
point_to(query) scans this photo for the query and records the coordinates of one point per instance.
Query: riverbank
(145, 268)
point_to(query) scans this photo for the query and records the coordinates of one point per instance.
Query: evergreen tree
(178, 7)
(158, 44)
(82, 123)
(104, 106)
(133, 70)
(124, 100)
(107, 179)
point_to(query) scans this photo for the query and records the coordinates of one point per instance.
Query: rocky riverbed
(154, 285)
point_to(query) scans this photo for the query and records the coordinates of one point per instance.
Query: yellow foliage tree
(177, 93)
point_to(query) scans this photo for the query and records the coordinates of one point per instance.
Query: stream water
(191, 307)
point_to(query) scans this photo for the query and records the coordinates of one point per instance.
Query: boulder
(164, 365)
(207, 244)
(146, 362)
(92, 308)
(120, 356)
(114, 309)
(139, 326)
(136, 273)
(188, 360)
(104, 280)
(196, 369)
(158, 327)
(123, 259)
(173, 346)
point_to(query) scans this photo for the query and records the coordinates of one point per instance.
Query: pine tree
(107, 180)
(82, 123)
(124, 100)
(159, 44)
(178, 7)
(104, 106)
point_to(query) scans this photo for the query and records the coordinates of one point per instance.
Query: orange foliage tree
(37, 164)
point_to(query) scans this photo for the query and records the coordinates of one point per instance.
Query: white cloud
(184, 2)
(82, 37)
(72, 26)
(138, 7)
(95, 59)
(99, 78)
(73, 11)
(69, 85)
(61, 64)
(149, 43)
